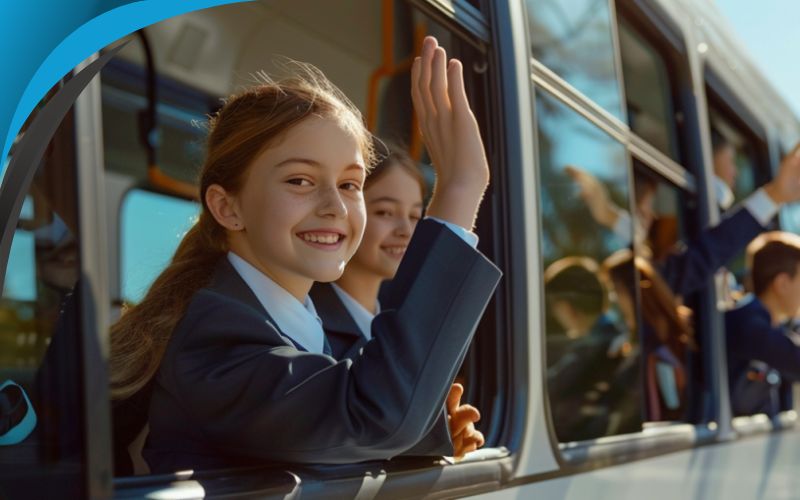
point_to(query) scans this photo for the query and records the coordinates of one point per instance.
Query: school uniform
(348, 327)
(756, 349)
(234, 388)
(579, 382)
(691, 265)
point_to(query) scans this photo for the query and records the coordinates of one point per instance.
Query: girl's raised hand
(451, 135)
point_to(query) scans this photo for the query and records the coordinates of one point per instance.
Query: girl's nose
(331, 203)
(404, 226)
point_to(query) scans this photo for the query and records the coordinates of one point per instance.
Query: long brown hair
(661, 309)
(248, 123)
(391, 154)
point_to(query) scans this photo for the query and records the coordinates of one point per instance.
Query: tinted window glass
(592, 352)
(648, 91)
(574, 39)
(41, 418)
(670, 346)
(152, 225)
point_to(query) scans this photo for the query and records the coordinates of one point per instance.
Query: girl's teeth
(319, 238)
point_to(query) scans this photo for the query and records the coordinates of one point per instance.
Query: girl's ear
(222, 206)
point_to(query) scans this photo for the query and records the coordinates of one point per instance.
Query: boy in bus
(227, 334)
(593, 347)
(760, 350)
(725, 170)
(393, 193)
(689, 268)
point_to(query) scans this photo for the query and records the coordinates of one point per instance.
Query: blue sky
(770, 31)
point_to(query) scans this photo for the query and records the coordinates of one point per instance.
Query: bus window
(575, 40)
(180, 114)
(739, 155)
(591, 345)
(670, 338)
(152, 225)
(739, 159)
(41, 397)
(648, 91)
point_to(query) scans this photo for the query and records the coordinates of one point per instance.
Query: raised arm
(690, 268)
(451, 136)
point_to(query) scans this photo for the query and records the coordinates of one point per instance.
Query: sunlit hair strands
(248, 123)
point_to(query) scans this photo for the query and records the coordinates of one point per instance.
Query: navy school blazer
(750, 336)
(689, 269)
(346, 341)
(232, 390)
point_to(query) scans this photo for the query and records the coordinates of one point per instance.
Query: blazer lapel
(341, 329)
(227, 281)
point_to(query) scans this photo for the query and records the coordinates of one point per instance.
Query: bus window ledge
(479, 472)
(653, 440)
(757, 424)
(480, 455)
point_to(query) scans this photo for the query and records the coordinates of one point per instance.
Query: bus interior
(617, 89)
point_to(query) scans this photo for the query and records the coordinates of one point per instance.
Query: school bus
(618, 87)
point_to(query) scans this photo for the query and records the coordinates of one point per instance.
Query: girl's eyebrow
(391, 200)
(315, 163)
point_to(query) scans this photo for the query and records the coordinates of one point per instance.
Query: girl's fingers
(439, 82)
(416, 97)
(424, 83)
(455, 86)
(454, 397)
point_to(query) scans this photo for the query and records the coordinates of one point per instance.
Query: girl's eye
(351, 186)
(383, 213)
(299, 181)
(415, 218)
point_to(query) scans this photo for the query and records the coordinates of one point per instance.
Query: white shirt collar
(360, 314)
(295, 319)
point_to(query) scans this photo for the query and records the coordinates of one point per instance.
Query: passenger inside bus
(762, 351)
(684, 269)
(393, 194)
(593, 347)
(725, 169)
(666, 334)
(689, 268)
(227, 334)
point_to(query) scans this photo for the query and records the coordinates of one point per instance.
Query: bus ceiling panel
(467, 21)
(662, 164)
(201, 48)
(545, 78)
(350, 70)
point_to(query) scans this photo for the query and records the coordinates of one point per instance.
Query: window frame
(581, 456)
(392, 478)
(95, 467)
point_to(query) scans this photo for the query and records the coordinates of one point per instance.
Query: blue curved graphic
(42, 41)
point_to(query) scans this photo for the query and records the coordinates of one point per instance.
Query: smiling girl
(227, 341)
(393, 194)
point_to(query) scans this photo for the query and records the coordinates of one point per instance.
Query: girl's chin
(326, 275)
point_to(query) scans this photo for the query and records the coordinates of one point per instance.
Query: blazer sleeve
(751, 336)
(253, 396)
(689, 269)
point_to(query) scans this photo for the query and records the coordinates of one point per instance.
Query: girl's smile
(300, 214)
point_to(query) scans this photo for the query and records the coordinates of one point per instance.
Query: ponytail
(247, 124)
(139, 338)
